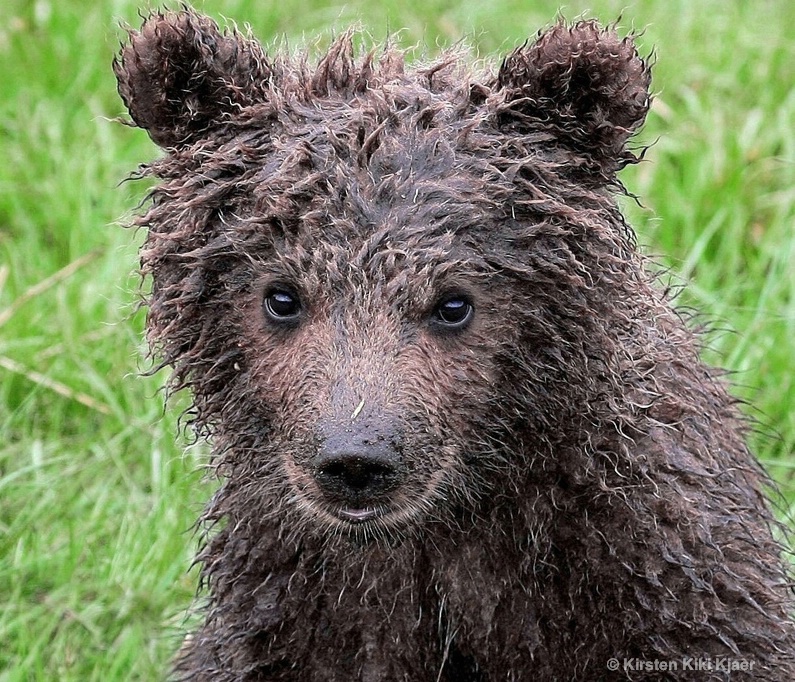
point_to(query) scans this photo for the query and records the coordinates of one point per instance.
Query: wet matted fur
(460, 431)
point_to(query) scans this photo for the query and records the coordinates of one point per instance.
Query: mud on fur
(461, 432)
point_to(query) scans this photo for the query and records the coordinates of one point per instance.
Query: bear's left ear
(584, 85)
(179, 75)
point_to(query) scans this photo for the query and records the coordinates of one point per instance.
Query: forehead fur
(365, 149)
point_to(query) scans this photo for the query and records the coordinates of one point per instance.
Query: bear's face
(358, 269)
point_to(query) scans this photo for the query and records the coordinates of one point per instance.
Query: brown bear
(460, 431)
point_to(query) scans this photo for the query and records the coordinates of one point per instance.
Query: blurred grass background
(97, 496)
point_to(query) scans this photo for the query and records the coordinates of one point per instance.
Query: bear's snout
(357, 470)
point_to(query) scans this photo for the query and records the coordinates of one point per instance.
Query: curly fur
(572, 481)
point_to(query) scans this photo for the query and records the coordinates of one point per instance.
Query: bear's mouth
(354, 515)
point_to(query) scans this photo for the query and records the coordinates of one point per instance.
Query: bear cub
(461, 433)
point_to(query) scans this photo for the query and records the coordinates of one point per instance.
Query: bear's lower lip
(357, 515)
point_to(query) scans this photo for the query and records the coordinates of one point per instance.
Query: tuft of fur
(554, 482)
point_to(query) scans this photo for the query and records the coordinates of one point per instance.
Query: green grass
(96, 495)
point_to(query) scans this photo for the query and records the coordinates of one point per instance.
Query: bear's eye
(281, 305)
(453, 312)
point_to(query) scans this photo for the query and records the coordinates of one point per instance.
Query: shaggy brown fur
(461, 433)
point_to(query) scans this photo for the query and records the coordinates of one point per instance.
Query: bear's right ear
(179, 75)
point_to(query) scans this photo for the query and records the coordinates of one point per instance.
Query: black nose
(357, 473)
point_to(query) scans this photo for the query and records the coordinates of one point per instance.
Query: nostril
(357, 477)
(358, 473)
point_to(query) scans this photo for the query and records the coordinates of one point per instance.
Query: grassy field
(97, 497)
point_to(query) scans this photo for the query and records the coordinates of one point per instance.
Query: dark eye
(282, 305)
(453, 312)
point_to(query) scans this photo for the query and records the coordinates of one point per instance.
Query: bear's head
(377, 280)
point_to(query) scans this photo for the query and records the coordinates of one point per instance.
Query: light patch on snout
(358, 410)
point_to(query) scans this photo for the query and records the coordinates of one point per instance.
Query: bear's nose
(356, 474)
